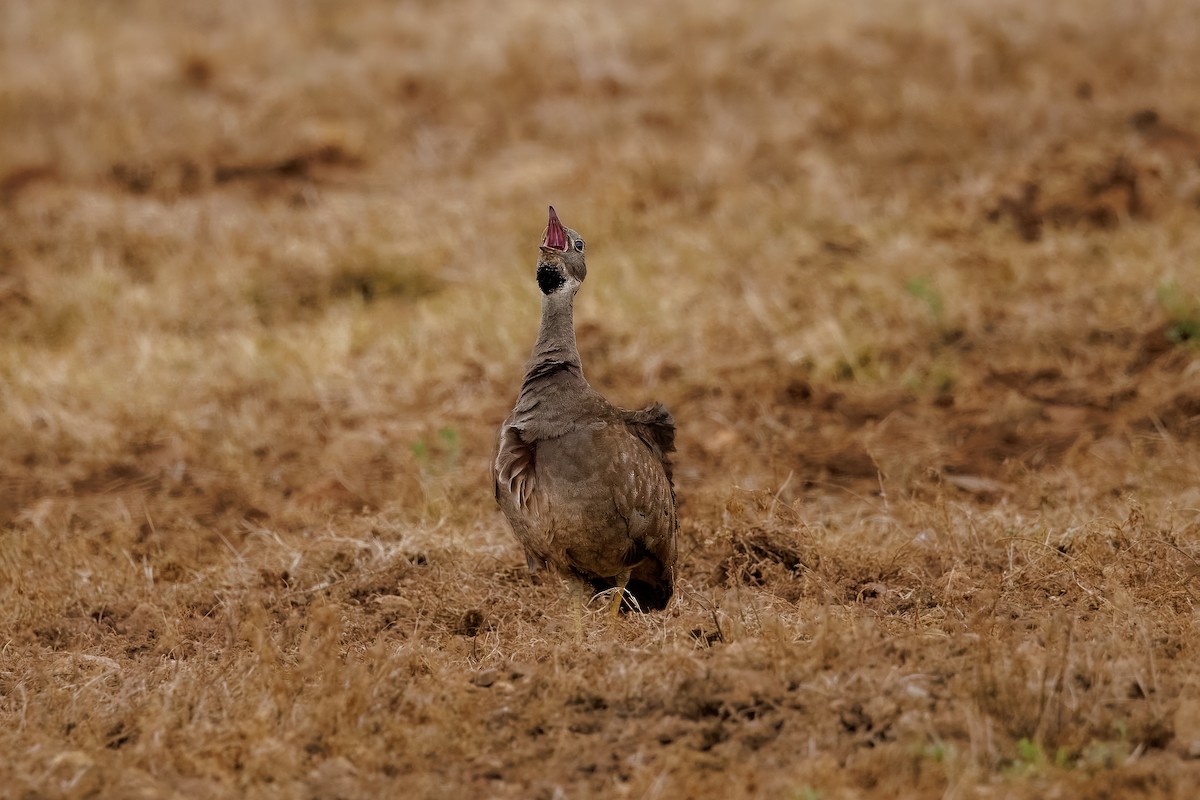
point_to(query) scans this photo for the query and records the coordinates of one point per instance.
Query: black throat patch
(549, 278)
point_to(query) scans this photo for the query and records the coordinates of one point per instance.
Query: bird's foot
(619, 594)
(580, 594)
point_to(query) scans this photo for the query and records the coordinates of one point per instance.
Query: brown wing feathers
(515, 464)
(655, 426)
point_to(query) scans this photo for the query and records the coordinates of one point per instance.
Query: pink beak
(555, 237)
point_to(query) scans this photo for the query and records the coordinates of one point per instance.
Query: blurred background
(257, 257)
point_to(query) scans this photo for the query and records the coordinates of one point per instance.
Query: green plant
(937, 751)
(440, 454)
(923, 289)
(1182, 310)
(1031, 758)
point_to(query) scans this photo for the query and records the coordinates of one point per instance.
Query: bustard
(585, 485)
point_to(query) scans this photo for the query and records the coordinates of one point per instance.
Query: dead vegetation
(918, 285)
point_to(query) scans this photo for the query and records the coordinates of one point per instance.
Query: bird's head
(560, 265)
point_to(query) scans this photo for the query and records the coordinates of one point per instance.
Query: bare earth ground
(918, 281)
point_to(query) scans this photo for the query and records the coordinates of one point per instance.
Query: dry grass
(918, 282)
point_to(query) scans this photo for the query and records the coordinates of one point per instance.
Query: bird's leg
(622, 582)
(581, 592)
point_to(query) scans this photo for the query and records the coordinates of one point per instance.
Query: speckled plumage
(585, 485)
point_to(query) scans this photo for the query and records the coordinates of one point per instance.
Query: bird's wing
(655, 427)
(645, 499)
(513, 470)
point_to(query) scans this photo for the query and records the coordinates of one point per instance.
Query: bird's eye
(579, 245)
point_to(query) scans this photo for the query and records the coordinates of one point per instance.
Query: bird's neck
(556, 337)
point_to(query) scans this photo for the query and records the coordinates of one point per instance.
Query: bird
(586, 486)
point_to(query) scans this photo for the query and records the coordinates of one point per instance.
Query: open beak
(555, 237)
